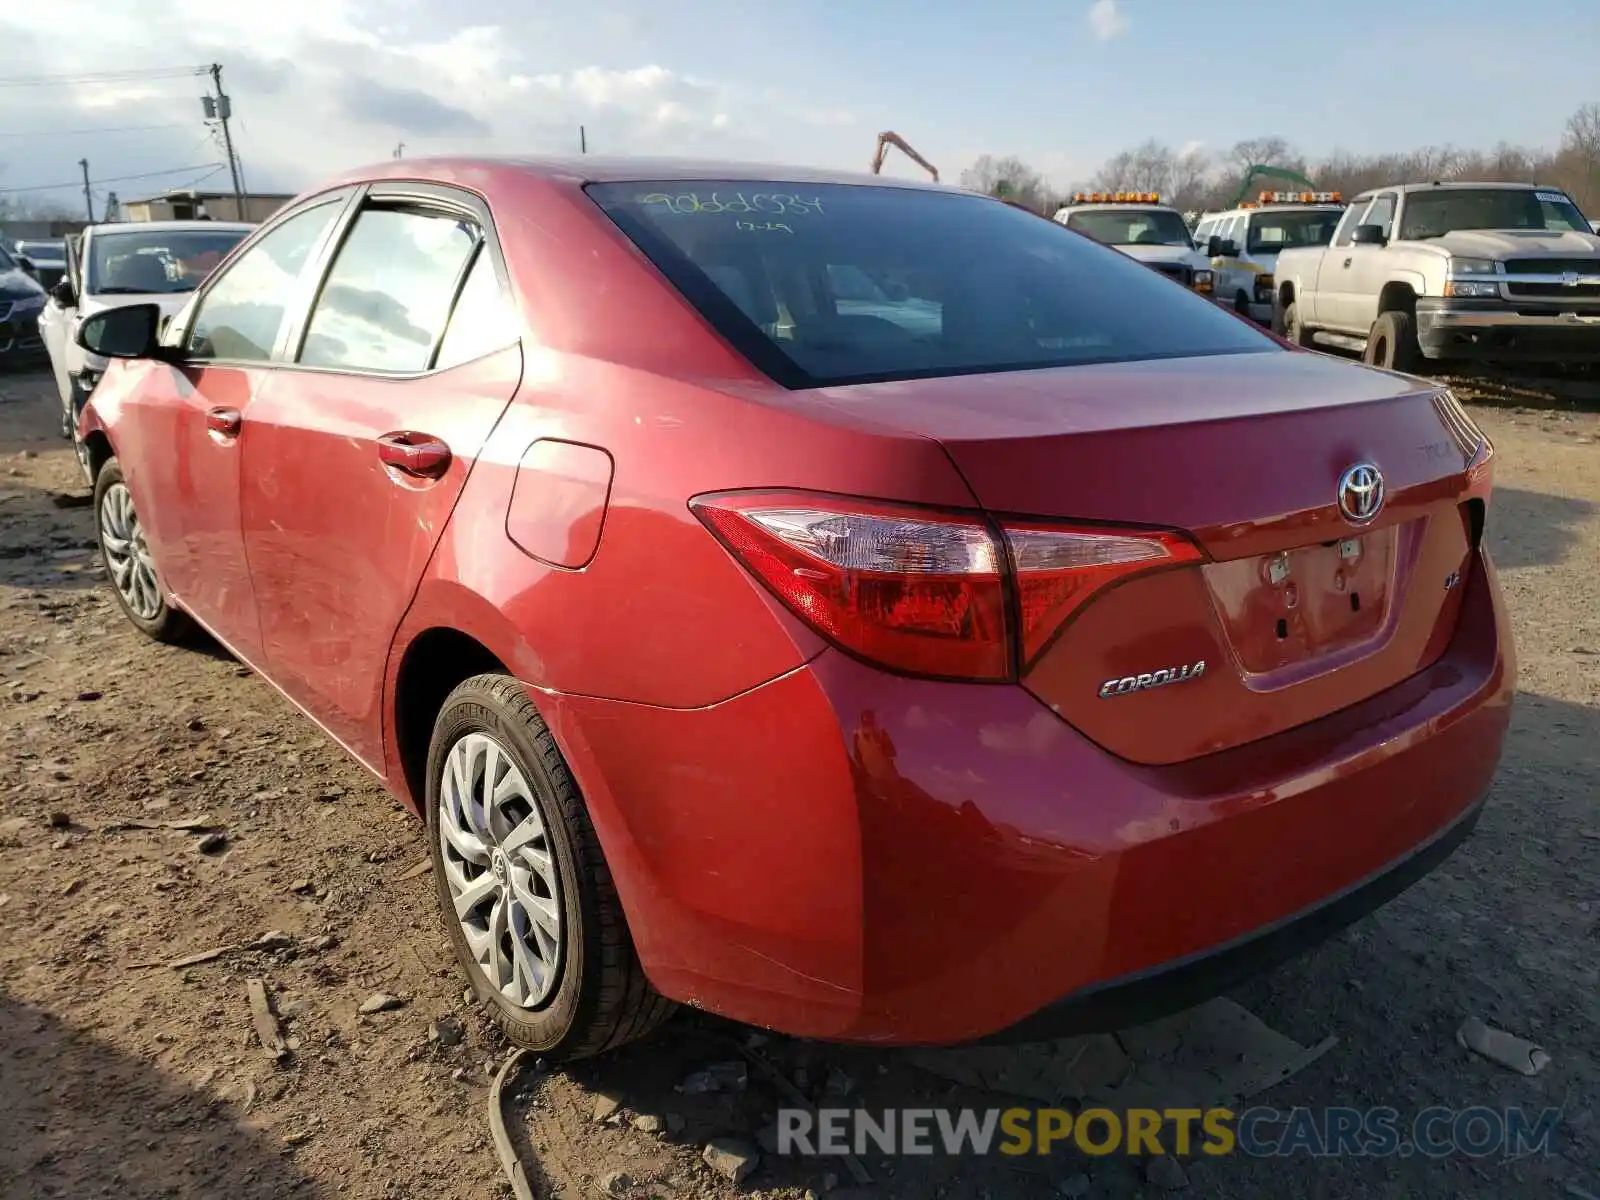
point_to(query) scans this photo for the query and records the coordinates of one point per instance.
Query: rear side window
(386, 299)
(241, 313)
(482, 321)
(823, 284)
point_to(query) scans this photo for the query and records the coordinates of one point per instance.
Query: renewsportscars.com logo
(1435, 1132)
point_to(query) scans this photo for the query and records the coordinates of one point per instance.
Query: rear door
(355, 452)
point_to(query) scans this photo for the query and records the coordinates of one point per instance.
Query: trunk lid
(1299, 611)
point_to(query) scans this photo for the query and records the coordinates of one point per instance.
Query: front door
(183, 468)
(1370, 268)
(1335, 276)
(354, 455)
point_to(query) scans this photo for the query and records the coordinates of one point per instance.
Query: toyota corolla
(1035, 648)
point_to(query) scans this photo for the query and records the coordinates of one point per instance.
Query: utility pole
(222, 109)
(400, 150)
(88, 196)
(583, 140)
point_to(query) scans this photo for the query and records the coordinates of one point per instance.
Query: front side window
(142, 262)
(1353, 216)
(824, 284)
(1381, 214)
(1439, 211)
(1272, 231)
(1131, 226)
(240, 316)
(388, 294)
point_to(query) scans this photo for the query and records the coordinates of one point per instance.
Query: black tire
(1392, 343)
(167, 624)
(1241, 305)
(1294, 332)
(602, 999)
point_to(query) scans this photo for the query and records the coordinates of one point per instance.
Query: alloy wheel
(500, 869)
(127, 556)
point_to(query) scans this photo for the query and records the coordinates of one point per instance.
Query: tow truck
(1142, 227)
(1243, 243)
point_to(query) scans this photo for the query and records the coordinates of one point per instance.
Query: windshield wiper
(126, 291)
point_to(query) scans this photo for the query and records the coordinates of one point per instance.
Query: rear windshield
(823, 284)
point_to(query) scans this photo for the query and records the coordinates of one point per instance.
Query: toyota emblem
(1361, 493)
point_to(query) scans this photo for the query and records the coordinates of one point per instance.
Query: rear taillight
(951, 595)
(1058, 570)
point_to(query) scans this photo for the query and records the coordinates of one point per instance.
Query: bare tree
(1011, 179)
(1195, 181)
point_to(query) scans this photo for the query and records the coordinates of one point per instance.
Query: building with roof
(187, 204)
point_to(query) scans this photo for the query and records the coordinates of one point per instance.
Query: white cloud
(1106, 20)
(325, 85)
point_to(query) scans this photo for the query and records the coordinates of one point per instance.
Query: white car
(107, 266)
(1140, 226)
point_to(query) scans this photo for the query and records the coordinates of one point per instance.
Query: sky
(320, 86)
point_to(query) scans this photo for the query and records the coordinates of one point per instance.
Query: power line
(78, 132)
(82, 77)
(212, 168)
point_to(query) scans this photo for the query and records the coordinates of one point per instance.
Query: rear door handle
(417, 454)
(1348, 261)
(224, 422)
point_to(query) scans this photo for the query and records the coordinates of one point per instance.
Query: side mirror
(63, 294)
(1368, 235)
(28, 265)
(127, 332)
(1223, 248)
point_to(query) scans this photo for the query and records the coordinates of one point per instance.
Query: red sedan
(855, 607)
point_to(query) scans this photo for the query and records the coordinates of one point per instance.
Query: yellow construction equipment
(887, 139)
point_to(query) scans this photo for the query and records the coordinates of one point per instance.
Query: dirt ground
(121, 1075)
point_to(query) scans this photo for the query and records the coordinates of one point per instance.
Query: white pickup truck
(1484, 271)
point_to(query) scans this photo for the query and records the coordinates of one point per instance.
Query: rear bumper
(1495, 330)
(1179, 985)
(855, 856)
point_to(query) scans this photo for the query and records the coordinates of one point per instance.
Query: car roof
(577, 170)
(1116, 208)
(1459, 184)
(167, 226)
(1329, 206)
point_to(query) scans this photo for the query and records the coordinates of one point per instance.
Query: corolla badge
(1129, 684)
(1361, 493)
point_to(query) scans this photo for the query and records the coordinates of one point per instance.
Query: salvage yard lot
(157, 804)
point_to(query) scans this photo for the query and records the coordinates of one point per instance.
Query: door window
(483, 320)
(389, 292)
(1381, 214)
(1352, 218)
(240, 315)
